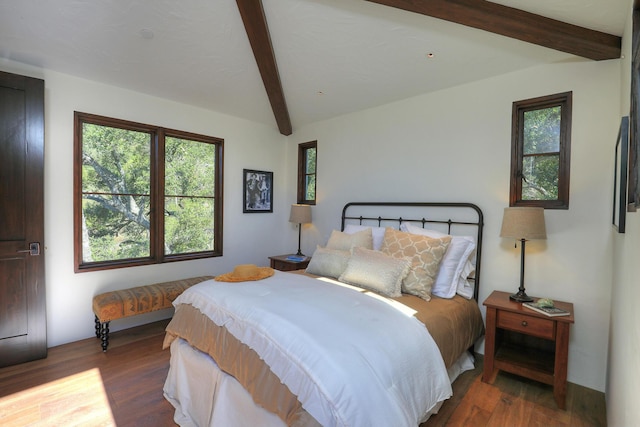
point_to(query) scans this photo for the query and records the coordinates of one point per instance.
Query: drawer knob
(524, 323)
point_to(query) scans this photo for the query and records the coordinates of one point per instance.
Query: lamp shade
(523, 223)
(300, 214)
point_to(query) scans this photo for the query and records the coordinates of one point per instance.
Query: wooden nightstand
(523, 342)
(280, 262)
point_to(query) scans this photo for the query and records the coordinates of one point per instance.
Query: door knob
(34, 249)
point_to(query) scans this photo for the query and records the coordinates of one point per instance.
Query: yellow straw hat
(246, 272)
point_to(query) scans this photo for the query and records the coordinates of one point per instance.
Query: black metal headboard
(449, 217)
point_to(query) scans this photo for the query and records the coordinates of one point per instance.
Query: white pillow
(376, 271)
(466, 287)
(376, 232)
(452, 268)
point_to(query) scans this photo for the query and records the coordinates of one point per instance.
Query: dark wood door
(23, 327)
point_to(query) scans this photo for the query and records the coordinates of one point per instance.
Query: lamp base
(521, 296)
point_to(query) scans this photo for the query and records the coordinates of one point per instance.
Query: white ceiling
(355, 53)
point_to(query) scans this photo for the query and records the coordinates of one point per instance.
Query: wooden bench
(131, 302)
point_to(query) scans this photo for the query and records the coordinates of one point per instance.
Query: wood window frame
(564, 100)
(158, 134)
(303, 173)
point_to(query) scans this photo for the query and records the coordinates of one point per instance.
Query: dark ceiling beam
(255, 24)
(517, 24)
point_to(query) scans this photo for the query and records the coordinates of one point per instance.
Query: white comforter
(351, 358)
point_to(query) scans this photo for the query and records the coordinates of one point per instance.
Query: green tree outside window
(144, 194)
(540, 152)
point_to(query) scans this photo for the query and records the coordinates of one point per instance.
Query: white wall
(454, 145)
(623, 370)
(451, 145)
(247, 237)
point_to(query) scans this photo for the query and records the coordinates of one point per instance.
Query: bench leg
(104, 335)
(97, 326)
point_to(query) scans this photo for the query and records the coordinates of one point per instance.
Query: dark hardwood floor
(78, 384)
(513, 401)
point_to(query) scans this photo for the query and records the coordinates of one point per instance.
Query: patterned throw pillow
(454, 266)
(425, 254)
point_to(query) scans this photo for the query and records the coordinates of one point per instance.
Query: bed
(344, 342)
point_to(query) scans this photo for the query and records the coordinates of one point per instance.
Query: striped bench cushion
(142, 299)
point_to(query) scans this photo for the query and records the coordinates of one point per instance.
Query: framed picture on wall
(620, 174)
(634, 118)
(257, 191)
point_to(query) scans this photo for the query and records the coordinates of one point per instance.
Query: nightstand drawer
(542, 328)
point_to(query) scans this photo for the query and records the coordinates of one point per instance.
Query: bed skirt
(220, 400)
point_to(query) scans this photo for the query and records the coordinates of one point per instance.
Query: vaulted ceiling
(292, 62)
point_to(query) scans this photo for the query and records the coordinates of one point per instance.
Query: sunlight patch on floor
(75, 400)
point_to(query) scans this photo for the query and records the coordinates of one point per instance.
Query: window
(307, 172)
(540, 152)
(144, 194)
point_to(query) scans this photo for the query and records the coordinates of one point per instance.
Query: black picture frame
(257, 191)
(620, 174)
(633, 199)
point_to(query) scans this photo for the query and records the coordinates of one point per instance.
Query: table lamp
(523, 223)
(300, 214)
